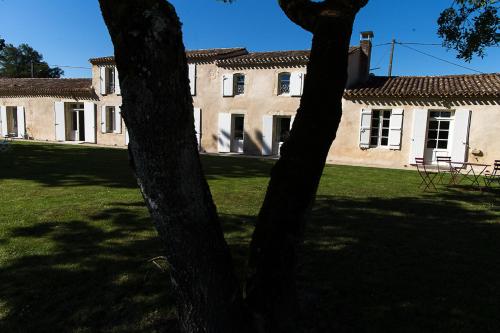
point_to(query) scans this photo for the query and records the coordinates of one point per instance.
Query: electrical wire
(440, 59)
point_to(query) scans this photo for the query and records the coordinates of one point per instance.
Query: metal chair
(493, 175)
(427, 174)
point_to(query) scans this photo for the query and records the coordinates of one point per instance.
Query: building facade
(245, 103)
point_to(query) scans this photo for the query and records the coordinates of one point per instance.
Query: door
(282, 133)
(12, 127)
(237, 133)
(438, 135)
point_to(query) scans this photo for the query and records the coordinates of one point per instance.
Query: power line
(440, 59)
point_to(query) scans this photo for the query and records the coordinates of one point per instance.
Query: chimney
(366, 54)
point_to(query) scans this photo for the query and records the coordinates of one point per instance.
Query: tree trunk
(271, 289)
(158, 111)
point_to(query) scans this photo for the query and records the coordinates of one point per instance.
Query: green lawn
(379, 255)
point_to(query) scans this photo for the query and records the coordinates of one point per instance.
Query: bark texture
(271, 289)
(158, 111)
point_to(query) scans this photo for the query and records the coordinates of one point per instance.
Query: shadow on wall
(250, 146)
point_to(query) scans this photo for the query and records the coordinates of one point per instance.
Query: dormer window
(239, 84)
(284, 84)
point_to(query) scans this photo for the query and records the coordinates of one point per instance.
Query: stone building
(245, 102)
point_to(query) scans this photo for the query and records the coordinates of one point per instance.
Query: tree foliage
(17, 62)
(469, 26)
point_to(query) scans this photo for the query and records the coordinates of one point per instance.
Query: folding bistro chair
(427, 174)
(494, 175)
(444, 167)
(5, 144)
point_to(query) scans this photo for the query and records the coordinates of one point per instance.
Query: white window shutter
(192, 78)
(396, 129)
(296, 81)
(21, 122)
(104, 119)
(267, 135)
(3, 120)
(419, 134)
(118, 119)
(292, 119)
(365, 128)
(127, 137)
(224, 132)
(89, 115)
(118, 90)
(60, 123)
(197, 124)
(102, 80)
(227, 85)
(460, 139)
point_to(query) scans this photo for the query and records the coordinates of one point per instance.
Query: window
(239, 124)
(110, 73)
(110, 119)
(239, 84)
(283, 83)
(439, 129)
(381, 120)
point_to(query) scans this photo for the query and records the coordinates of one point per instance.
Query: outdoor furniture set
(458, 173)
(5, 144)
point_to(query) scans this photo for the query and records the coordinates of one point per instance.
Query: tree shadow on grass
(93, 276)
(59, 165)
(402, 265)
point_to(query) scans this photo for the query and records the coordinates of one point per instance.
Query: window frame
(110, 119)
(380, 128)
(110, 82)
(236, 83)
(280, 92)
(439, 119)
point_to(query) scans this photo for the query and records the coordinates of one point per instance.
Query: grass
(379, 255)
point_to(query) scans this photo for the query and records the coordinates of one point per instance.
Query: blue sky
(71, 32)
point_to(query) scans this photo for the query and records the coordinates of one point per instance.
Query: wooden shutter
(227, 85)
(21, 122)
(118, 89)
(365, 128)
(104, 119)
(102, 80)
(395, 129)
(267, 135)
(89, 115)
(192, 78)
(224, 132)
(118, 119)
(60, 124)
(460, 139)
(296, 82)
(127, 137)
(3, 121)
(197, 124)
(419, 134)
(292, 119)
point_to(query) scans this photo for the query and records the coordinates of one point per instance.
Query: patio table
(471, 172)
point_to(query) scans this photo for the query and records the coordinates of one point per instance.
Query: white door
(60, 127)
(90, 129)
(438, 135)
(21, 122)
(224, 133)
(237, 133)
(74, 130)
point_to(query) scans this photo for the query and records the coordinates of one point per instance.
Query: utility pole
(392, 56)
(32, 69)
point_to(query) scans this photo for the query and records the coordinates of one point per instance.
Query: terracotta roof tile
(294, 57)
(475, 85)
(192, 55)
(17, 87)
